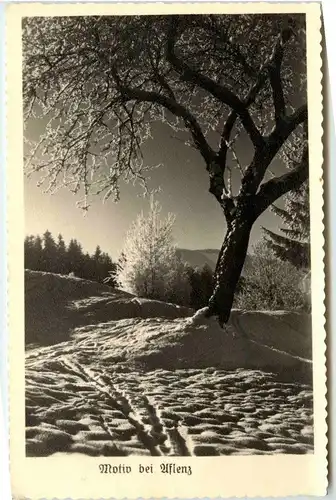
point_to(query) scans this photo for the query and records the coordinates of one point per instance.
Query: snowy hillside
(57, 304)
(110, 374)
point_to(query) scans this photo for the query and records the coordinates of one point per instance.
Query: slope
(158, 383)
(56, 304)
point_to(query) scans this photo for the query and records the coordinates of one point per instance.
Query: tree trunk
(228, 269)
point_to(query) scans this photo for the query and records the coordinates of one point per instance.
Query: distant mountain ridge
(202, 257)
(199, 258)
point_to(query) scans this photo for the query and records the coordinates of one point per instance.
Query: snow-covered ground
(110, 374)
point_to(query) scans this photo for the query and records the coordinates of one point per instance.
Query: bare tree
(100, 82)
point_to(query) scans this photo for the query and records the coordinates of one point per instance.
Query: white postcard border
(77, 476)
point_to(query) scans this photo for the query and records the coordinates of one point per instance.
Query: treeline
(46, 254)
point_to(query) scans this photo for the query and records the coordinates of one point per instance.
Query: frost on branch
(97, 85)
(150, 266)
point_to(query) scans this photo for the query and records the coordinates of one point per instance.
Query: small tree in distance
(150, 266)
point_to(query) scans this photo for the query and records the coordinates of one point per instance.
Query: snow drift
(151, 334)
(109, 374)
(56, 304)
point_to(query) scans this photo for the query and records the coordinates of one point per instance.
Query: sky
(184, 186)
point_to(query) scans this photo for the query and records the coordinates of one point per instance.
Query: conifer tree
(30, 260)
(293, 244)
(75, 257)
(107, 268)
(62, 265)
(97, 254)
(49, 252)
(38, 254)
(88, 267)
(96, 263)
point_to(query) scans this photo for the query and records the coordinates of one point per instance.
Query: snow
(111, 374)
(57, 304)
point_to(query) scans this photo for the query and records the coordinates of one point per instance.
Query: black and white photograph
(166, 278)
(167, 235)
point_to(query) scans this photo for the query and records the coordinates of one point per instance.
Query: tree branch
(274, 71)
(222, 93)
(270, 69)
(270, 191)
(160, 78)
(135, 93)
(263, 157)
(225, 138)
(282, 131)
(286, 126)
(218, 34)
